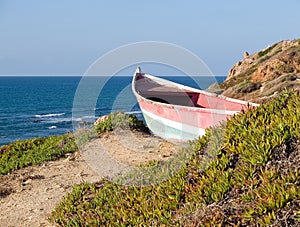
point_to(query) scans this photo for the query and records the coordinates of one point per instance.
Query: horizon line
(79, 75)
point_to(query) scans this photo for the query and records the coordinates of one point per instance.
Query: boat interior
(171, 93)
(166, 93)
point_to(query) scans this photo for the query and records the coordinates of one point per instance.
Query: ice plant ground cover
(254, 178)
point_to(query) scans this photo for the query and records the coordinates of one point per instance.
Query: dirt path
(28, 196)
(33, 192)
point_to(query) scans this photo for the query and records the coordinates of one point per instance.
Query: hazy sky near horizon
(64, 37)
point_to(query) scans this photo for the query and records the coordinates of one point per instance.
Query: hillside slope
(253, 180)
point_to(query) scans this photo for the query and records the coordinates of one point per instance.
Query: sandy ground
(28, 196)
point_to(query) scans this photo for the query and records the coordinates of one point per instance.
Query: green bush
(266, 51)
(120, 120)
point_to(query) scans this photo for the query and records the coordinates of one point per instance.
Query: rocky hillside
(266, 73)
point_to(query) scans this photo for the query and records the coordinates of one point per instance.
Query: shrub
(266, 51)
(120, 120)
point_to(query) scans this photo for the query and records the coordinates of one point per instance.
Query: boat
(179, 113)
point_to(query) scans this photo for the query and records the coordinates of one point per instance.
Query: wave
(49, 115)
(134, 112)
(58, 120)
(52, 127)
(88, 117)
(69, 119)
(84, 118)
(102, 109)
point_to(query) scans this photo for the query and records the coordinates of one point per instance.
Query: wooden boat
(180, 113)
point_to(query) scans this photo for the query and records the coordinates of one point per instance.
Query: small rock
(246, 54)
(29, 181)
(166, 155)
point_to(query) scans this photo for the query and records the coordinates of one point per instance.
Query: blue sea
(43, 106)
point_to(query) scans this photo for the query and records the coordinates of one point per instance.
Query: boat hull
(181, 122)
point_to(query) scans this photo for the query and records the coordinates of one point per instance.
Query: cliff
(266, 73)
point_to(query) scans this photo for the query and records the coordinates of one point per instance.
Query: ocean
(42, 106)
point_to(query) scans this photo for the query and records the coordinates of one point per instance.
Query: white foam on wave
(134, 112)
(88, 117)
(84, 118)
(69, 119)
(49, 115)
(58, 120)
(52, 127)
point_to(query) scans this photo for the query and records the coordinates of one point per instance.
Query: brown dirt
(28, 196)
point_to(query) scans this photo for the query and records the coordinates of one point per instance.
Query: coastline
(43, 106)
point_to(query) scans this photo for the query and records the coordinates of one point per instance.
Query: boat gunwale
(190, 108)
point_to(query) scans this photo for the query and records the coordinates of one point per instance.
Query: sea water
(43, 106)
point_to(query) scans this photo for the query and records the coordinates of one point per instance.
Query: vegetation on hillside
(254, 178)
(120, 120)
(266, 51)
(114, 121)
(20, 154)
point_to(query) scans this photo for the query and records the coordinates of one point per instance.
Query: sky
(64, 37)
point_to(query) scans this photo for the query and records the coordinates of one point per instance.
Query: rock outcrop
(265, 73)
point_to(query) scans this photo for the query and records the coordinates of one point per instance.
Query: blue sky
(59, 37)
